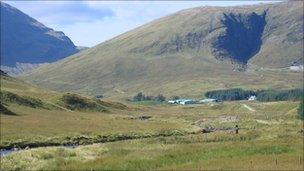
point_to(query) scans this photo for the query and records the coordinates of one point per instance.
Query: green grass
(22, 88)
(269, 138)
(158, 154)
(8, 97)
(149, 102)
(44, 118)
(39, 127)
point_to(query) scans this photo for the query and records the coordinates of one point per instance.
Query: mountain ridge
(25, 40)
(179, 51)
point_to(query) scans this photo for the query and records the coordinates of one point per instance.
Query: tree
(175, 97)
(262, 95)
(160, 98)
(139, 97)
(279, 95)
(230, 94)
(150, 97)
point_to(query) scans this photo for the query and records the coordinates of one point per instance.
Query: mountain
(25, 40)
(189, 52)
(21, 68)
(81, 48)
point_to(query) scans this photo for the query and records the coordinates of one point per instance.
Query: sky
(88, 23)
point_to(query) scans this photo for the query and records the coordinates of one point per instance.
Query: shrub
(149, 98)
(160, 98)
(142, 97)
(139, 97)
(77, 102)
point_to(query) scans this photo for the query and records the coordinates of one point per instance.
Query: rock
(15, 149)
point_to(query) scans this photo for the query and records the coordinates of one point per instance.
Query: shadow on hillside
(5, 111)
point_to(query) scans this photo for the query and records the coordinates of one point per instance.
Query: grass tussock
(152, 154)
(14, 98)
(79, 103)
(8, 97)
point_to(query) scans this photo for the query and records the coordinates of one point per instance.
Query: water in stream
(4, 153)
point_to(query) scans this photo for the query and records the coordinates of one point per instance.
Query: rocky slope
(188, 52)
(25, 40)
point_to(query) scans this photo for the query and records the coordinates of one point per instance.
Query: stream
(4, 153)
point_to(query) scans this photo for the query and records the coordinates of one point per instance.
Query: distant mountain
(21, 68)
(81, 48)
(25, 40)
(188, 52)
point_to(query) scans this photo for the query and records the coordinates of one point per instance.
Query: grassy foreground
(41, 127)
(270, 138)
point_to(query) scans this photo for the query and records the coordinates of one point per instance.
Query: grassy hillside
(189, 52)
(32, 116)
(15, 91)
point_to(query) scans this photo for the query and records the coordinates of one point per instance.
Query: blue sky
(89, 23)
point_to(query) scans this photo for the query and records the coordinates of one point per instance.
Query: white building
(182, 101)
(172, 102)
(296, 67)
(251, 98)
(208, 100)
(187, 101)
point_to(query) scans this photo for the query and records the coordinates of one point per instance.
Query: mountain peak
(34, 43)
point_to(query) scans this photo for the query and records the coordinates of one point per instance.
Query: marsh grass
(170, 140)
(154, 154)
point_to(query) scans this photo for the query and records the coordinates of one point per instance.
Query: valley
(268, 133)
(145, 135)
(205, 88)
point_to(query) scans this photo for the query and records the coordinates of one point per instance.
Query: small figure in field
(236, 129)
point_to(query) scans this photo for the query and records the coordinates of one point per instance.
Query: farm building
(251, 98)
(187, 102)
(296, 67)
(208, 100)
(172, 102)
(182, 101)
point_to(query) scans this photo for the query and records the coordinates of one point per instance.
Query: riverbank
(85, 139)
